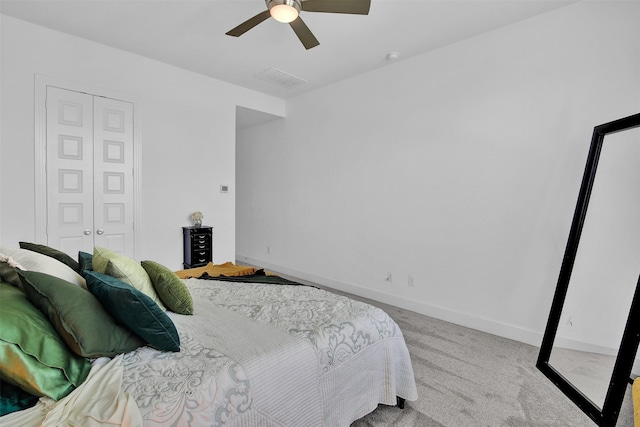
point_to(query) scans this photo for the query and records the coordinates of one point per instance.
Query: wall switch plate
(410, 280)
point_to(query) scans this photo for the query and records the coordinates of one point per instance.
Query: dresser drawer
(200, 248)
(199, 258)
(200, 261)
(201, 240)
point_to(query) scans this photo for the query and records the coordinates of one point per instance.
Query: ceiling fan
(287, 11)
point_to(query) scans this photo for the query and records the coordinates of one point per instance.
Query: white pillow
(34, 261)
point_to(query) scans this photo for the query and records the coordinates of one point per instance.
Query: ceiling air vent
(281, 78)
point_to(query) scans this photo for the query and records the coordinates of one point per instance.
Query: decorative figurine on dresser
(198, 242)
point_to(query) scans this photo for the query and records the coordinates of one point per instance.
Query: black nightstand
(198, 244)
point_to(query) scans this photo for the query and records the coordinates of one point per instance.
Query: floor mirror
(589, 348)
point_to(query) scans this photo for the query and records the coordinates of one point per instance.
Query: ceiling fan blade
(304, 33)
(248, 24)
(355, 7)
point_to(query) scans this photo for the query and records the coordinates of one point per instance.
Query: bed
(256, 350)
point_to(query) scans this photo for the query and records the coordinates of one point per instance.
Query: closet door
(90, 195)
(113, 174)
(69, 170)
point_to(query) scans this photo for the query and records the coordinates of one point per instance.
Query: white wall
(459, 167)
(187, 127)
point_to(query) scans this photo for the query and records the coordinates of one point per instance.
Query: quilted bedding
(271, 355)
(251, 355)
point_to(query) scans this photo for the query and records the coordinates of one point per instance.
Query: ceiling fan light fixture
(284, 11)
(288, 11)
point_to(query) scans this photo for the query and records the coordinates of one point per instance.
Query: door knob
(100, 231)
(87, 232)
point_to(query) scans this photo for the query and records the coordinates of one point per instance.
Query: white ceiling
(191, 33)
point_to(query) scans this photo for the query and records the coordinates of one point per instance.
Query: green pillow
(13, 398)
(53, 253)
(171, 290)
(78, 316)
(9, 274)
(32, 355)
(85, 260)
(126, 270)
(135, 310)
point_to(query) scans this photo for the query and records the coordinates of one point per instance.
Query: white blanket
(276, 363)
(97, 402)
(251, 355)
(272, 355)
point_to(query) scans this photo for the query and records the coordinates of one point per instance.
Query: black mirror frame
(608, 415)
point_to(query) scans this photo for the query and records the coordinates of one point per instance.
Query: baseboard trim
(463, 319)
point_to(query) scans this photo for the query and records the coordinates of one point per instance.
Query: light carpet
(468, 378)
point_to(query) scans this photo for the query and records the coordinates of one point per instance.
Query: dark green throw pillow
(14, 399)
(53, 253)
(134, 309)
(32, 354)
(82, 322)
(171, 290)
(9, 274)
(86, 262)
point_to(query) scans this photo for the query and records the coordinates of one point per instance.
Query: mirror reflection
(605, 272)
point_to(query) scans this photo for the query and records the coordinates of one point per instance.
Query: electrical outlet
(268, 249)
(410, 281)
(389, 278)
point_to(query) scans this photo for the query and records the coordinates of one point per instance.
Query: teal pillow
(135, 310)
(32, 355)
(171, 290)
(53, 253)
(125, 269)
(85, 260)
(78, 316)
(13, 398)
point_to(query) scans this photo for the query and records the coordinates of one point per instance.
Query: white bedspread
(271, 355)
(251, 355)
